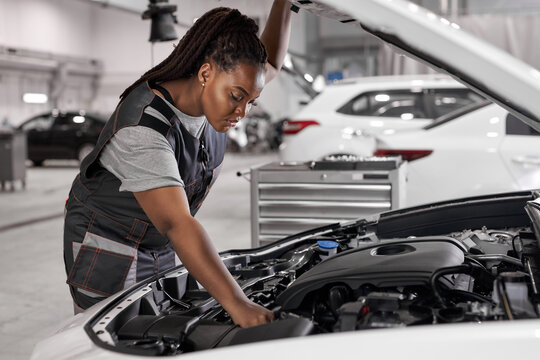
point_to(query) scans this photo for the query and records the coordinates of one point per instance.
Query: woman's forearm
(168, 209)
(200, 257)
(275, 36)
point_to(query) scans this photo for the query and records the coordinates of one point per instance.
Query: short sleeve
(142, 159)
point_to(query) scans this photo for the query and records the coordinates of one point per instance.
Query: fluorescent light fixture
(494, 120)
(376, 123)
(35, 98)
(308, 77)
(492, 134)
(382, 97)
(78, 119)
(389, 131)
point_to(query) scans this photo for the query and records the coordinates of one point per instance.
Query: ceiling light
(35, 98)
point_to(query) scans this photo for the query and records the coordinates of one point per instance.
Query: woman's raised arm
(275, 36)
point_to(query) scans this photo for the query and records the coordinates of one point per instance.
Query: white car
(477, 150)
(437, 281)
(343, 118)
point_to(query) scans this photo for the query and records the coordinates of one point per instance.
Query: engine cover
(385, 265)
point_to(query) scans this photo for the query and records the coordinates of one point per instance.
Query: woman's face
(227, 96)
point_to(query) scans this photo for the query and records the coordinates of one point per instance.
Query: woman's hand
(246, 313)
(168, 209)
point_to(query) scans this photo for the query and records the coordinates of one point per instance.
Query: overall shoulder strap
(149, 121)
(164, 91)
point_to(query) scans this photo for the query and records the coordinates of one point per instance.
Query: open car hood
(441, 44)
(467, 262)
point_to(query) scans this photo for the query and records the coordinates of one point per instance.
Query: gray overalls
(109, 242)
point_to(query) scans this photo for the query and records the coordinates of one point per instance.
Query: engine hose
(501, 289)
(459, 269)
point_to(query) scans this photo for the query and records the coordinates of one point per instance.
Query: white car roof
(340, 92)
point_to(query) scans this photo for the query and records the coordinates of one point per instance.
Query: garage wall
(119, 40)
(47, 25)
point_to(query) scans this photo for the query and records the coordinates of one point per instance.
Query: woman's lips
(232, 123)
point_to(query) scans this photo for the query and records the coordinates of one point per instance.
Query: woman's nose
(241, 110)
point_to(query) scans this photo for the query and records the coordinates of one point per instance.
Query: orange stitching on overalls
(75, 265)
(131, 231)
(121, 285)
(98, 213)
(143, 232)
(119, 256)
(116, 116)
(99, 292)
(91, 223)
(91, 267)
(134, 228)
(80, 182)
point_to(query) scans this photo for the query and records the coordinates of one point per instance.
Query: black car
(61, 135)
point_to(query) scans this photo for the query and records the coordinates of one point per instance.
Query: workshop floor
(34, 298)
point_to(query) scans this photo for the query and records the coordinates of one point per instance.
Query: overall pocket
(102, 265)
(100, 271)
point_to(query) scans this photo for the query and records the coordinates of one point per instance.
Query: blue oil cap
(327, 244)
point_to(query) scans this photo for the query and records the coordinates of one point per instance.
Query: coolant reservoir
(327, 248)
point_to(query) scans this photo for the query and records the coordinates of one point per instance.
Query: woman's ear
(204, 73)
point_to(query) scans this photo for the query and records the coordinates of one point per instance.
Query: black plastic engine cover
(385, 265)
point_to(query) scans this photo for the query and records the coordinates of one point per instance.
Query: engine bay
(337, 280)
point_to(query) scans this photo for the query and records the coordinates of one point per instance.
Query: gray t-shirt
(142, 159)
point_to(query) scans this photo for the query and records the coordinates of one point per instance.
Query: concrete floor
(34, 298)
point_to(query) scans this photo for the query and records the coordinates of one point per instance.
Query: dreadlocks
(223, 35)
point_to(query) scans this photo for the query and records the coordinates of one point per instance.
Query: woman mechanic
(131, 208)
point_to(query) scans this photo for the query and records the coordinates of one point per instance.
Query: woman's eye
(236, 98)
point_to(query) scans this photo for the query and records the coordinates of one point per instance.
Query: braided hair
(221, 34)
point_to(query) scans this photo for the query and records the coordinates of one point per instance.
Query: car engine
(335, 280)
